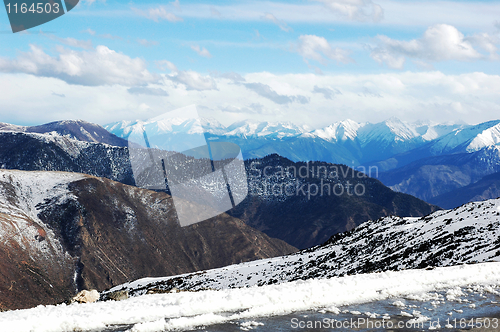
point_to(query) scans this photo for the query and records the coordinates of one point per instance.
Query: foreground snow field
(184, 310)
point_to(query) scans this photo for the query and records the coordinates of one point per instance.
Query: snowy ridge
(337, 143)
(389, 130)
(249, 128)
(339, 131)
(188, 310)
(468, 139)
(33, 188)
(72, 146)
(468, 234)
(489, 137)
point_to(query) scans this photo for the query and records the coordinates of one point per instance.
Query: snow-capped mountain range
(424, 158)
(465, 235)
(389, 130)
(363, 142)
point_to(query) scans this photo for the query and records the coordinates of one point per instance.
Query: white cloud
(282, 25)
(266, 91)
(193, 80)
(100, 66)
(439, 42)
(234, 77)
(157, 14)
(356, 10)
(391, 59)
(254, 108)
(327, 92)
(85, 44)
(165, 64)
(214, 12)
(470, 15)
(201, 51)
(147, 43)
(312, 47)
(486, 42)
(89, 31)
(150, 91)
(472, 97)
(176, 4)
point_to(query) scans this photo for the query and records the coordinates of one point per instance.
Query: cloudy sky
(310, 62)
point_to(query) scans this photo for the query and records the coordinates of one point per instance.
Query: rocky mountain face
(305, 203)
(63, 232)
(54, 152)
(465, 235)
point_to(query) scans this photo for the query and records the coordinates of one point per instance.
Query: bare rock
(86, 296)
(118, 295)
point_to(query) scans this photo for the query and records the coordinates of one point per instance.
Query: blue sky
(309, 62)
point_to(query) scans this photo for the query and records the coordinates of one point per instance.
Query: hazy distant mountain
(249, 128)
(434, 176)
(63, 232)
(486, 188)
(452, 161)
(465, 139)
(423, 158)
(319, 218)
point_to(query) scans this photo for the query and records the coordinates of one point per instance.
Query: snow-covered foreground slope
(184, 310)
(468, 234)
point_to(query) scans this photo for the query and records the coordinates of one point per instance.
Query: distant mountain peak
(468, 139)
(339, 131)
(75, 129)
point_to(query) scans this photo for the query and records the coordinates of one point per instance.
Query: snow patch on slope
(22, 195)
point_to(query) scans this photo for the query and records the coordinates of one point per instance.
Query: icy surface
(184, 310)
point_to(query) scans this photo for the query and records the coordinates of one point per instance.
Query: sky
(311, 62)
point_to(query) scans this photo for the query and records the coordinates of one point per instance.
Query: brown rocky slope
(63, 232)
